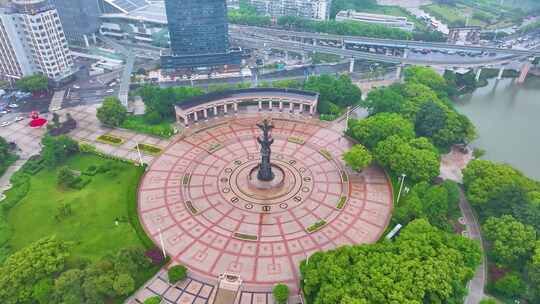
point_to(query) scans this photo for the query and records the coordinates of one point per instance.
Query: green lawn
(91, 226)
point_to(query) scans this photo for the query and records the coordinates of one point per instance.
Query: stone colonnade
(225, 106)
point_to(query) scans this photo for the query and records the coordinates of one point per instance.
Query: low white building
(32, 41)
(398, 22)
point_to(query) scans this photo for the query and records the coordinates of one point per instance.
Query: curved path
(195, 194)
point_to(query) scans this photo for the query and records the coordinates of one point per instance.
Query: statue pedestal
(275, 183)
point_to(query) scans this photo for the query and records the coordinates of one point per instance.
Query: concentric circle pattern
(214, 221)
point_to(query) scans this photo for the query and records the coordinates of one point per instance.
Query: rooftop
(152, 12)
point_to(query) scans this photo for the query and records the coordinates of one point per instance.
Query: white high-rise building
(310, 9)
(32, 41)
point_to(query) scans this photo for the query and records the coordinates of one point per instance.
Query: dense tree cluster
(335, 93)
(509, 207)
(161, 101)
(423, 100)
(423, 265)
(433, 203)
(34, 83)
(374, 129)
(40, 274)
(57, 149)
(358, 157)
(416, 158)
(349, 28)
(6, 157)
(111, 113)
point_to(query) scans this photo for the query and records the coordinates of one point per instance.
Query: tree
(401, 271)
(488, 301)
(153, 300)
(511, 241)
(358, 157)
(510, 285)
(340, 91)
(65, 177)
(533, 268)
(372, 130)
(281, 293)
(26, 267)
(112, 113)
(177, 273)
(57, 149)
(384, 100)
(123, 284)
(429, 77)
(401, 156)
(430, 119)
(68, 287)
(43, 290)
(34, 83)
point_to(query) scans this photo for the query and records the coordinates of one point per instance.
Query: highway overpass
(390, 43)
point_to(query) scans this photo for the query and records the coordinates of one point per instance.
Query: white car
(110, 91)
(18, 118)
(13, 105)
(5, 124)
(76, 87)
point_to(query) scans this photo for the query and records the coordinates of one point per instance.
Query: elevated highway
(296, 46)
(390, 43)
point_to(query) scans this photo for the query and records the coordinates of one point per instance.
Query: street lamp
(403, 175)
(162, 243)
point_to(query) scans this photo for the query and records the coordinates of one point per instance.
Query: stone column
(260, 105)
(235, 107)
(195, 116)
(311, 110)
(291, 106)
(215, 110)
(186, 120)
(225, 108)
(270, 105)
(205, 112)
(281, 106)
(301, 108)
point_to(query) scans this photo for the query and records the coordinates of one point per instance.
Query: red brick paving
(190, 192)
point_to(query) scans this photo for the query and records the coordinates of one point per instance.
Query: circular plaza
(201, 201)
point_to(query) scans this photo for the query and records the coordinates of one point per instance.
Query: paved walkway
(4, 179)
(476, 285)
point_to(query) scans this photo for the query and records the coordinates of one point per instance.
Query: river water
(507, 118)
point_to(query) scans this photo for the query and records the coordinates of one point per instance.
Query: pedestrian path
(57, 100)
(4, 179)
(477, 283)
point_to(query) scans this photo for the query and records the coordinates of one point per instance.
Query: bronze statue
(265, 168)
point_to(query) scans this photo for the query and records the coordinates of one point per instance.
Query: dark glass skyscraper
(199, 35)
(80, 18)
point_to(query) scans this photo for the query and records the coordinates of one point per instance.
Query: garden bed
(316, 226)
(296, 140)
(110, 139)
(148, 149)
(326, 154)
(138, 124)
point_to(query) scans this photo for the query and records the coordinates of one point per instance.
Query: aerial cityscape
(269, 151)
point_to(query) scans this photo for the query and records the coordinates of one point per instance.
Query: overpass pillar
(478, 73)
(524, 71)
(501, 71)
(351, 65)
(398, 72)
(286, 56)
(343, 47)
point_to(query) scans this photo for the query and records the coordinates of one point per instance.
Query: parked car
(13, 105)
(18, 118)
(110, 91)
(5, 124)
